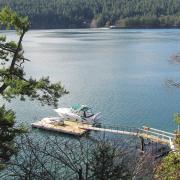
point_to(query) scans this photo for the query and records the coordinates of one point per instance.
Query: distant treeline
(98, 13)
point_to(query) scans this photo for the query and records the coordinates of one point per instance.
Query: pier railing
(153, 134)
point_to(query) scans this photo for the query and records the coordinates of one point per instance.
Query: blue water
(121, 73)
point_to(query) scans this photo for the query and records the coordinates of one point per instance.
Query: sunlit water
(121, 73)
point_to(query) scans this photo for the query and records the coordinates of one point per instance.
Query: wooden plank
(69, 127)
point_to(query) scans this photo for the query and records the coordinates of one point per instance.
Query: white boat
(81, 113)
(114, 27)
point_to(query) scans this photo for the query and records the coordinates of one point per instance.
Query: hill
(98, 13)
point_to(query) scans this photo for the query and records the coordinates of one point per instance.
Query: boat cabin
(83, 111)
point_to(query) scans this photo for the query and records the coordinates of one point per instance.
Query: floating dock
(79, 128)
(68, 127)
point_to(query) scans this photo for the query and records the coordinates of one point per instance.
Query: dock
(79, 128)
(68, 127)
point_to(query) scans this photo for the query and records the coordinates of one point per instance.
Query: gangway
(157, 135)
(153, 134)
(110, 130)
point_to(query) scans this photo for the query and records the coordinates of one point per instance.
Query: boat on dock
(79, 119)
(79, 113)
(70, 120)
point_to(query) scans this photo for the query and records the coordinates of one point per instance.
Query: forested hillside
(98, 13)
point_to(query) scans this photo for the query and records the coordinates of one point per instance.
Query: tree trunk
(2, 88)
(80, 174)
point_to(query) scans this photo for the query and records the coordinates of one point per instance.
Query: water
(121, 73)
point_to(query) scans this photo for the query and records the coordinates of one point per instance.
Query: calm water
(121, 73)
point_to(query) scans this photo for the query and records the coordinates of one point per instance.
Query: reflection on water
(121, 73)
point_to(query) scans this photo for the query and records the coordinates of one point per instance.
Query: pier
(152, 134)
(79, 128)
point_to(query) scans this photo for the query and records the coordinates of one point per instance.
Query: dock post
(142, 143)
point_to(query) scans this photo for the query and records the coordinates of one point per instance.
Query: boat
(114, 27)
(79, 113)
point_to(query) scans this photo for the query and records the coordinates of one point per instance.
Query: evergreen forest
(98, 13)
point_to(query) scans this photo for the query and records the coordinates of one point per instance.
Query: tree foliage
(14, 82)
(80, 13)
(169, 168)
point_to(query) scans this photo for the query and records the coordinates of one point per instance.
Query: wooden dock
(69, 127)
(79, 128)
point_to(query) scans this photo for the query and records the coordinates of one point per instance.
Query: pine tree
(13, 82)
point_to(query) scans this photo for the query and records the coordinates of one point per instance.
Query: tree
(13, 81)
(80, 13)
(79, 159)
(169, 167)
(109, 163)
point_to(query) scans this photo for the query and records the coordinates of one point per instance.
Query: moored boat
(79, 113)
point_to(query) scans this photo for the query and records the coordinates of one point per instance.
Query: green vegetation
(169, 168)
(14, 82)
(98, 13)
(101, 161)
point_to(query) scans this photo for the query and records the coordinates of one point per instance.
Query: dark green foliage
(13, 81)
(7, 134)
(107, 163)
(12, 76)
(80, 13)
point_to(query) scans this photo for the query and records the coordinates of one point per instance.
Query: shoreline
(106, 28)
